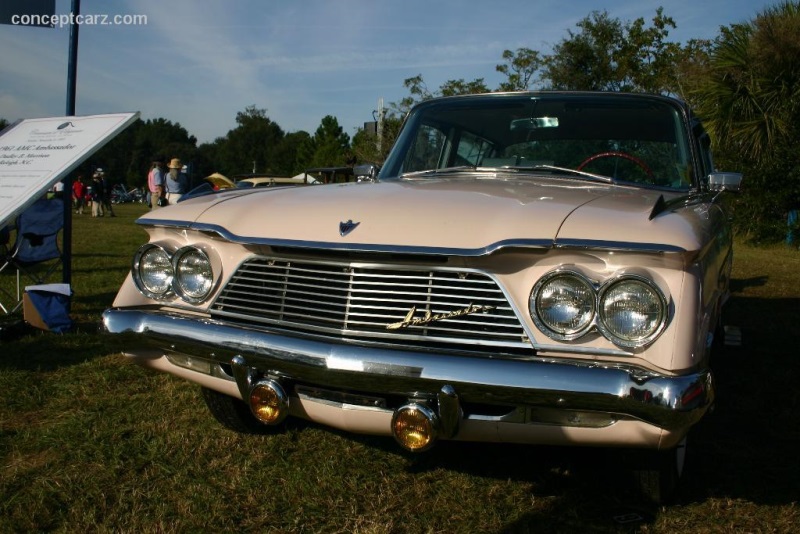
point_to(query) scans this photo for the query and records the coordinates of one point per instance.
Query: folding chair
(34, 250)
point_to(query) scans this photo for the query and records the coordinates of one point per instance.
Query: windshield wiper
(566, 170)
(516, 168)
(444, 170)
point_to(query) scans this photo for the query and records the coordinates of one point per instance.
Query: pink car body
(541, 268)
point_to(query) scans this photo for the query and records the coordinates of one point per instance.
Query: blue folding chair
(35, 248)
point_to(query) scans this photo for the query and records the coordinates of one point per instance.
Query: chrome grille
(356, 302)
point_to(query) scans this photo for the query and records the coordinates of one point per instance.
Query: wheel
(617, 154)
(718, 344)
(657, 474)
(234, 414)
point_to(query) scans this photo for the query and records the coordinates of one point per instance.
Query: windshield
(627, 138)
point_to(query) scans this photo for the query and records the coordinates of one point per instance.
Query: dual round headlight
(187, 273)
(630, 310)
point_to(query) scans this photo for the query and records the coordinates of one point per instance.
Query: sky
(200, 62)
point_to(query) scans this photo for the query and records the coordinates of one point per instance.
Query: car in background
(219, 181)
(332, 175)
(541, 268)
(245, 181)
(120, 195)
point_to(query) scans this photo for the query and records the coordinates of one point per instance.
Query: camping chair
(34, 249)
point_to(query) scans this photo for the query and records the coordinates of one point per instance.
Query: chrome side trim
(184, 225)
(669, 402)
(569, 349)
(620, 246)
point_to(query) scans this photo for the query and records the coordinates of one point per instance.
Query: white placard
(37, 153)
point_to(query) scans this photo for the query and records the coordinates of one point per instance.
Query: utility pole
(379, 129)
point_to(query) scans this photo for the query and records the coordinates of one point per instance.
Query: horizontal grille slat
(420, 307)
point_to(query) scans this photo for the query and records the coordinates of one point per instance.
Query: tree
(519, 69)
(462, 87)
(251, 146)
(749, 98)
(691, 66)
(331, 145)
(366, 148)
(418, 92)
(607, 55)
(751, 92)
(127, 158)
(292, 149)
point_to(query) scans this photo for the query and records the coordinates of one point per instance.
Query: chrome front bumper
(671, 403)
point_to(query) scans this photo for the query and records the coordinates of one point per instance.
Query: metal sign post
(72, 81)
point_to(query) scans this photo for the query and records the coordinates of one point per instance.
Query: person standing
(78, 192)
(58, 189)
(156, 186)
(106, 199)
(97, 195)
(176, 180)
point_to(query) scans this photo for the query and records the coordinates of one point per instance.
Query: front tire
(657, 475)
(234, 414)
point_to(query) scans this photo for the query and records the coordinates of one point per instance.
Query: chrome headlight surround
(632, 310)
(193, 274)
(629, 309)
(562, 304)
(152, 271)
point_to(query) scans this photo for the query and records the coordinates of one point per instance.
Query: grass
(89, 442)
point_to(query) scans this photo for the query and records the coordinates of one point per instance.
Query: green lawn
(91, 443)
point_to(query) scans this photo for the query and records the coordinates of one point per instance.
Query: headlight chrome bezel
(179, 282)
(175, 285)
(534, 305)
(603, 319)
(599, 318)
(140, 276)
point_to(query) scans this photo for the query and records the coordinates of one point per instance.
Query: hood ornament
(347, 227)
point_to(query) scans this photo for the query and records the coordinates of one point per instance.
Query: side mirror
(366, 173)
(724, 181)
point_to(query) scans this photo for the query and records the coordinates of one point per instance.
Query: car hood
(455, 214)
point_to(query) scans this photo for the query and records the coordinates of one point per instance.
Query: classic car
(331, 175)
(245, 181)
(537, 268)
(219, 181)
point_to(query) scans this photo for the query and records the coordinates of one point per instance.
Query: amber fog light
(269, 402)
(414, 426)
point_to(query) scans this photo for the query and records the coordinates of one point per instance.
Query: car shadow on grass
(94, 304)
(744, 449)
(27, 348)
(44, 351)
